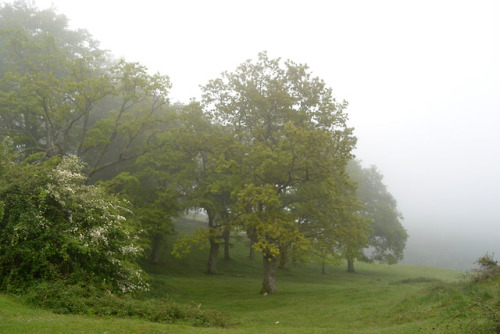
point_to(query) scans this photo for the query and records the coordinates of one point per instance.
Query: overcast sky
(422, 79)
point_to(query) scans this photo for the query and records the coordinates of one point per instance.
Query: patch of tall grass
(87, 300)
(471, 305)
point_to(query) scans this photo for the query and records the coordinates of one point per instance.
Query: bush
(488, 268)
(478, 310)
(55, 227)
(81, 299)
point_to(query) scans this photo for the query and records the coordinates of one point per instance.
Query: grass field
(377, 299)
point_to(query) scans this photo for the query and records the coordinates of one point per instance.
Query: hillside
(377, 299)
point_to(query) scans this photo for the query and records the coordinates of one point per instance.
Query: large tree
(388, 237)
(293, 133)
(22, 20)
(49, 82)
(60, 94)
(207, 179)
(335, 225)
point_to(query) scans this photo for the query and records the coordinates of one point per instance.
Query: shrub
(81, 299)
(479, 308)
(55, 227)
(488, 268)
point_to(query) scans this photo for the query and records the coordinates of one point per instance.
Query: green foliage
(153, 205)
(307, 302)
(420, 280)
(80, 299)
(273, 228)
(134, 112)
(60, 94)
(292, 139)
(54, 227)
(488, 268)
(388, 236)
(199, 239)
(473, 306)
(50, 81)
(265, 153)
(470, 305)
(373, 301)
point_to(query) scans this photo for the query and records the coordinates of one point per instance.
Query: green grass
(377, 299)
(18, 318)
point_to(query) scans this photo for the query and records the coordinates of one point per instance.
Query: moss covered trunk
(269, 282)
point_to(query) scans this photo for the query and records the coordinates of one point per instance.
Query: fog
(422, 79)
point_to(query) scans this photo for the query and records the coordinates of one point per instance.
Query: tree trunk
(252, 251)
(269, 282)
(156, 248)
(294, 256)
(226, 236)
(283, 259)
(212, 257)
(350, 266)
(323, 268)
(214, 244)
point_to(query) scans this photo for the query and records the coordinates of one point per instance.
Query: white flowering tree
(55, 227)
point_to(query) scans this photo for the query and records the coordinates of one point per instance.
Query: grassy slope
(377, 299)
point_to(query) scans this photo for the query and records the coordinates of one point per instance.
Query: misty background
(422, 79)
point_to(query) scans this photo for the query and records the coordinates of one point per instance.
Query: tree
(22, 18)
(388, 238)
(153, 205)
(210, 150)
(259, 210)
(292, 133)
(54, 227)
(353, 232)
(61, 95)
(335, 225)
(134, 112)
(49, 82)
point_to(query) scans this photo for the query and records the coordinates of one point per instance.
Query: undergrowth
(78, 299)
(420, 280)
(472, 305)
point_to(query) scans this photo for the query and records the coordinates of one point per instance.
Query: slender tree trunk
(212, 257)
(226, 236)
(294, 256)
(251, 237)
(350, 265)
(283, 259)
(156, 248)
(251, 255)
(323, 268)
(214, 244)
(269, 282)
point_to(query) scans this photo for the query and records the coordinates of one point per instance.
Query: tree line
(266, 152)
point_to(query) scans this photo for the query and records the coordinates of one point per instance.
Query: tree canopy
(388, 237)
(293, 134)
(97, 163)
